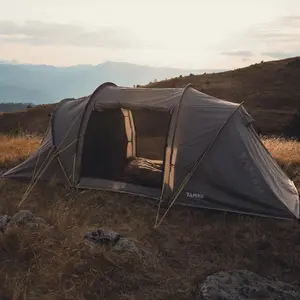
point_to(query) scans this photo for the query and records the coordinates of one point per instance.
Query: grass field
(54, 263)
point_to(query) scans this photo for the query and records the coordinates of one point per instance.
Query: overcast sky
(177, 33)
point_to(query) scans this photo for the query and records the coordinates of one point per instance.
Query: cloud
(285, 29)
(243, 53)
(279, 54)
(42, 33)
(275, 39)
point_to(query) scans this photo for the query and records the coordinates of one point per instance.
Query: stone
(102, 236)
(116, 242)
(124, 244)
(26, 219)
(245, 285)
(3, 222)
(22, 217)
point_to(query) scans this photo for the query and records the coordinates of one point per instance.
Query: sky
(189, 34)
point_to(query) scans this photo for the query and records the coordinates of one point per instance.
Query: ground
(54, 263)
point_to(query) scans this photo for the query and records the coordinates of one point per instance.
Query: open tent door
(130, 132)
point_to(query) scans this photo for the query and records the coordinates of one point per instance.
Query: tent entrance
(126, 146)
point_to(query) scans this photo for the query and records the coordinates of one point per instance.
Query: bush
(292, 129)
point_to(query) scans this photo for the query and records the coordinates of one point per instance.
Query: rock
(25, 218)
(115, 241)
(102, 236)
(124, 244)
(242, 285)
(3, 222)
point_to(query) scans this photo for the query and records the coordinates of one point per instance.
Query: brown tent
(173, 145)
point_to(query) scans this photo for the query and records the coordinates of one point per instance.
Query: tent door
(130, 132)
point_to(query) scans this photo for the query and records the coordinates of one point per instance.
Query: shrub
(292, 129)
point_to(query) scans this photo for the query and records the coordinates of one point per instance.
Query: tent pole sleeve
(173, 135)
(171, 147)
(196, 165)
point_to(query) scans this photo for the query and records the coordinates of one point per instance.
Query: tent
(173, 145)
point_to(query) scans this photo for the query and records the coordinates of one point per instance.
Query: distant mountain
(42, 84)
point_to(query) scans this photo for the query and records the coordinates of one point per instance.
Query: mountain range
(40, 84)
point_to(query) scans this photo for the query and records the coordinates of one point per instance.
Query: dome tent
(170, 144)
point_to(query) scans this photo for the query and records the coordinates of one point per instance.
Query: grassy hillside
(54, 263)
(270, 90)
(12, 107)
(33, 120)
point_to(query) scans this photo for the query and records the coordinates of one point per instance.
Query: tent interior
(126, 146)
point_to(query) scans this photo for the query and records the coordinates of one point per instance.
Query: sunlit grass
(14, 149)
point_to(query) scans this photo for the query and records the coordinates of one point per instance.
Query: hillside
(42, 84)
(12, 107)
(270, 90)
(32, 120)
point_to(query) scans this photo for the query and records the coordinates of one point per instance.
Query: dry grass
(284, 150)
(287, 154)
(54, 263)
(14, 149)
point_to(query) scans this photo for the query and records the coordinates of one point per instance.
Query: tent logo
(194, 195)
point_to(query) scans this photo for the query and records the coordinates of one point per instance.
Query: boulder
(124, 244)
(116, 242)
(3, 222)
(25, 219)
(102, 236)
(242, 285)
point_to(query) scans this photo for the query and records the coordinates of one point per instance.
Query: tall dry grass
(54, 263)
(283, 150)
(287, 154)
(14, 149)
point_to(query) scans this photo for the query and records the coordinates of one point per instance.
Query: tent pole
(196, 165)
(74, 164)
(33, 183)
(62, 167)
(34, 176)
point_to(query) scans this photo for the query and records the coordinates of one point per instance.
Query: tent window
(126, 146)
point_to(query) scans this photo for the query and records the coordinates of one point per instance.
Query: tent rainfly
(175, 145)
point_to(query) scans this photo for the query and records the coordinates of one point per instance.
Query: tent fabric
(208, 140)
